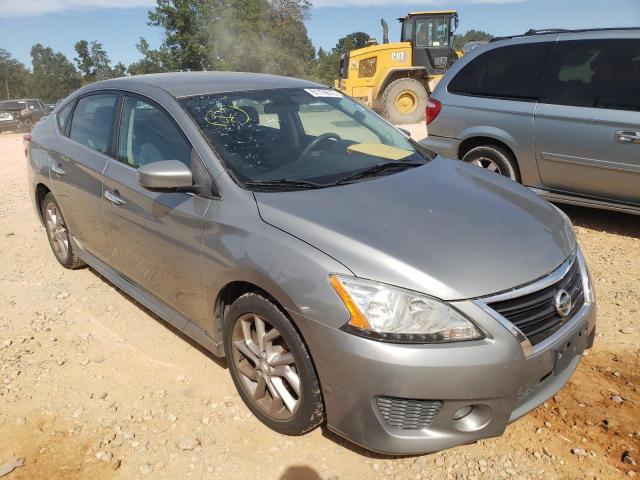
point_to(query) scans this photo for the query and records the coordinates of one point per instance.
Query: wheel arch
(40, 193)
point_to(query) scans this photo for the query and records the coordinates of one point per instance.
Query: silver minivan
(557, 110)
(348, 275)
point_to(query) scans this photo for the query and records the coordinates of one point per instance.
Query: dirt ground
(92, 385)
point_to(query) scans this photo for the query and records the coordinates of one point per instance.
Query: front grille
(535, 314)
(408, 414)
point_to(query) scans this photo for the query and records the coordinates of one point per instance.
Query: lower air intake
(408, 414)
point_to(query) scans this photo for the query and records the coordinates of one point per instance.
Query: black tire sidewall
(500, 156)
(389, 97)
(311, 410)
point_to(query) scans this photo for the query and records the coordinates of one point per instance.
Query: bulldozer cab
(431, 37)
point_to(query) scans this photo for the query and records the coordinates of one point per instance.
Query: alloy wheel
(487, 164)
(57, 231)
(266, 367)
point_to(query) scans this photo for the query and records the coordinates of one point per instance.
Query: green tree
(327, 63)
(248, 35)
(14, 77)
(54, 76)
(470, 36)
(94, 62)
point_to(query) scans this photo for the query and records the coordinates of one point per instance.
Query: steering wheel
(318, 141)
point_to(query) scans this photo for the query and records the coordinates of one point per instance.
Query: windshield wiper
(378, 169)
(283, 183)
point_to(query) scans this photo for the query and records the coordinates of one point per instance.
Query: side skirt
(584, 201)
(161, 309)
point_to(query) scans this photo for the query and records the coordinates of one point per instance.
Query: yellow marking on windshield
(226, 115)
(380, 150)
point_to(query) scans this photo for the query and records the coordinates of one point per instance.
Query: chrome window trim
(554, 277)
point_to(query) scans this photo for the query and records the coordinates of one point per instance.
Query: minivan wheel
(271, 366)
(58, 233)
(495, 159)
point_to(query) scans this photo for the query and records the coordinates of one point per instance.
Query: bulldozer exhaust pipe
(385, 30)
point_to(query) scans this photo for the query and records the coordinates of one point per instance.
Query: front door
(431, 47)
(156, 236)
(587, 124)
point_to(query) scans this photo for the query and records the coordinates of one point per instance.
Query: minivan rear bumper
(370, 386)
(447, 147)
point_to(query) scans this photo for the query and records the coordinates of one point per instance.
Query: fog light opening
(462, 412)
(471, 418)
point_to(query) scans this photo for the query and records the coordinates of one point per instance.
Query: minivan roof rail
(547, 31)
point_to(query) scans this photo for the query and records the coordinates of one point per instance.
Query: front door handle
(114, 197)
(627, 136)
(57, 169)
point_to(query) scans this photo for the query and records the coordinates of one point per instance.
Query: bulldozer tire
(404, 101)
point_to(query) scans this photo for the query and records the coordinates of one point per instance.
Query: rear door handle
(57, 169)
(627, 136)
(114, 197)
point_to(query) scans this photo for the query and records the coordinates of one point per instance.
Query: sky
(118, 24)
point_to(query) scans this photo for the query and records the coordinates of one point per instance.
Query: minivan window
(148, 134)
(92, 121)
(509, 72)
(594, 73)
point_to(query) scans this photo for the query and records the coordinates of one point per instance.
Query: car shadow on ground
(300, 472)
(616, 223)
(220, 361)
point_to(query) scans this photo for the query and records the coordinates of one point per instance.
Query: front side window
(32, 105)
(148, 134)
(432, 32)
(92, 122)
(595, 74)
(311, 135)
(511, 72)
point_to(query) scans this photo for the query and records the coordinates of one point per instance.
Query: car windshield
(300, 138)
(13, 105)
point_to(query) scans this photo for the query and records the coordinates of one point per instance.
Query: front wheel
(271, 367)
(404, 101)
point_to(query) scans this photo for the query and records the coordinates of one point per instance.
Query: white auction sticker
(323, 92)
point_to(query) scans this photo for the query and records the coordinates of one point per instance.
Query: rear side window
(148, 134)
(510, 72)
(63, 116)
(595, 74)
(92, 123)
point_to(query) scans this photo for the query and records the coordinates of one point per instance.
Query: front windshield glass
(317, 136)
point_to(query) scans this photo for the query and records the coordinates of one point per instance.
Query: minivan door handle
(57, 169)
(114, 197)
(627, 136)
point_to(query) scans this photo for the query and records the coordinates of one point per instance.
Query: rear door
(587, 124)
(77, 161)
(155, 236)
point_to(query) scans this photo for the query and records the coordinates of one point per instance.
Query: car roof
(186, 84)
(561, 33)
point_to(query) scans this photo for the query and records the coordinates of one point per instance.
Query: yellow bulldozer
(396, 78)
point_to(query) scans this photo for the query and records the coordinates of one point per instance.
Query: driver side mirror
(165, 174)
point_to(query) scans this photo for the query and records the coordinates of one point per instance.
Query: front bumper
(496, 375)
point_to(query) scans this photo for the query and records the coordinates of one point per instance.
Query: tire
(494, 158)
(58, 233)
(257, 386)
(408, 92)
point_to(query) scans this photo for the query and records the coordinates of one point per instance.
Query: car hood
(447, 229)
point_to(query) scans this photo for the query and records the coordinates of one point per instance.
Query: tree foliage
(327, 64)
(94, 62)
(14, 77)
(470, 36)
(53, 76)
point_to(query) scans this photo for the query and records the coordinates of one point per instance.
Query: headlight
(393, 314)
